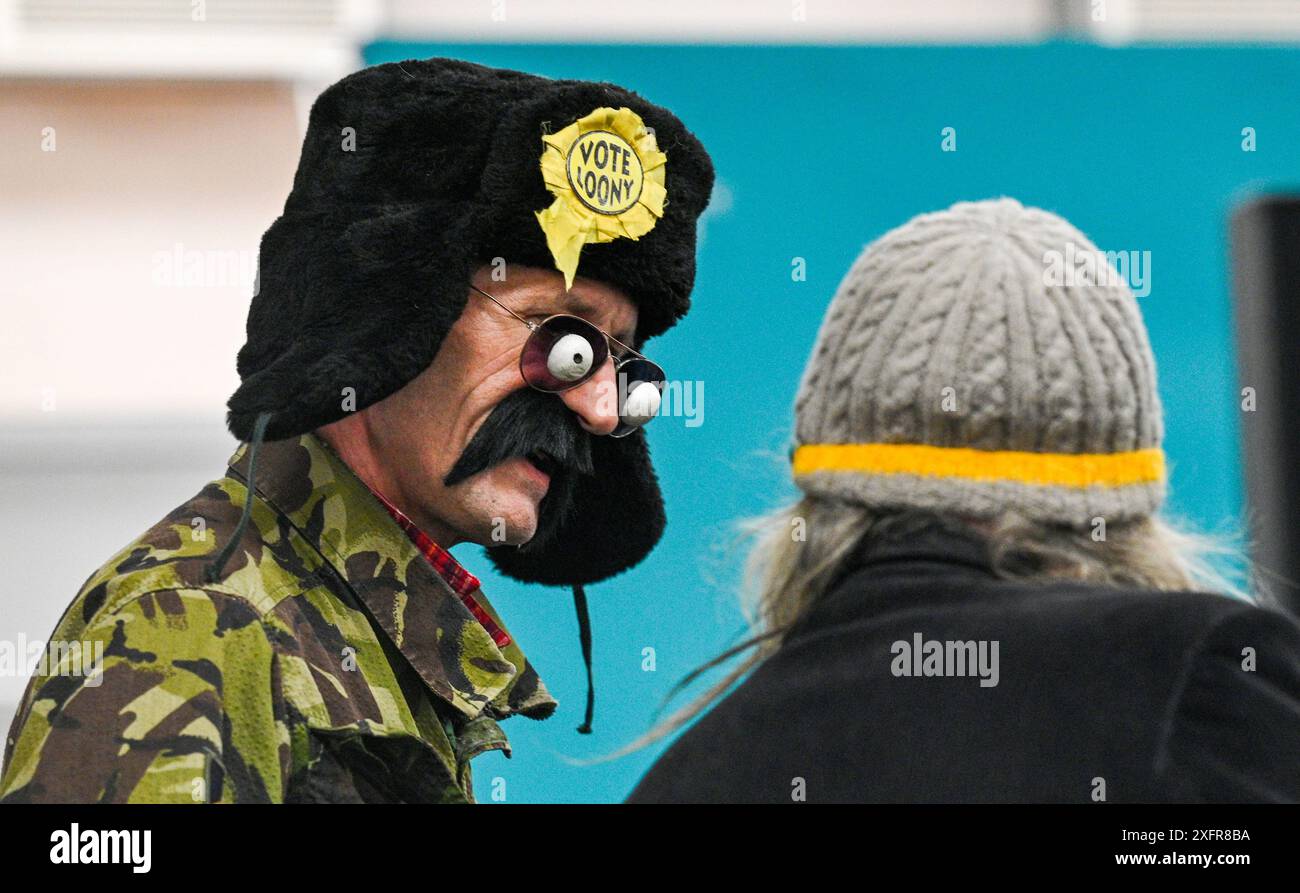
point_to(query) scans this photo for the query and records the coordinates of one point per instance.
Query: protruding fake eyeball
(642, 403)
(570, 358)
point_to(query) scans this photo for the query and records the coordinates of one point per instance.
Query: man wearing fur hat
(444, 347)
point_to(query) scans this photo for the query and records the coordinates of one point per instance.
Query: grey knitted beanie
(980, 359)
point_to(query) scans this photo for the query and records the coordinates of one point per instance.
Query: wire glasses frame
(551, 361)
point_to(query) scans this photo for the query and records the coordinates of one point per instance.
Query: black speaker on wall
(1265, 236)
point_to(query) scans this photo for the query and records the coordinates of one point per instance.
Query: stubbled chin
(508, 502)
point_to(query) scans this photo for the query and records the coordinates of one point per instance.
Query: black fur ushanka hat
(412, 176)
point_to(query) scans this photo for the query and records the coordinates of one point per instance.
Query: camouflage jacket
(328, 662)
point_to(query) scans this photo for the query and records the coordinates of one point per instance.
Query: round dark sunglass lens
(562, 353)
(640, 385)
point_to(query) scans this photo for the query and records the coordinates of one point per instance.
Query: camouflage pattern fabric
(329, 662)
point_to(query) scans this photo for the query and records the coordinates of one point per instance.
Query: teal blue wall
(819, 150)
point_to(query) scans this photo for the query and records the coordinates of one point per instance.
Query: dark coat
(1144, 690)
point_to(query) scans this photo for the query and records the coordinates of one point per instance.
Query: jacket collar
(933, 544)
(932, 549)
(309, 485)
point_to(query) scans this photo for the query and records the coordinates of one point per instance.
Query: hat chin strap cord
(584, 638)
(219, 563)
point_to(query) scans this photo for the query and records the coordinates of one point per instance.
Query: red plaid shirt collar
(461, 581)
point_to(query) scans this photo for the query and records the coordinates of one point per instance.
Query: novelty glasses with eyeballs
(563, 351)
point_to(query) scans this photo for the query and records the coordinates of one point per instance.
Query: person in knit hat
(976, 599)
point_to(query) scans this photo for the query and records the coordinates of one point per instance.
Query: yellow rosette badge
(607, 175)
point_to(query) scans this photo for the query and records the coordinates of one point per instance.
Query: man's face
(419, 433)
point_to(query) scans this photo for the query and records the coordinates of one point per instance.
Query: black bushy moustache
(529, 421)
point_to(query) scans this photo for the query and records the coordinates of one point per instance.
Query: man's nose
(595, 401)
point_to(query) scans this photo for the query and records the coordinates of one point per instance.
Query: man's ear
(616, 518)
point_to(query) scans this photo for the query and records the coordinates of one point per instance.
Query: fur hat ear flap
(615, 519)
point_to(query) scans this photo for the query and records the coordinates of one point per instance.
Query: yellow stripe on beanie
(1077, 470)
